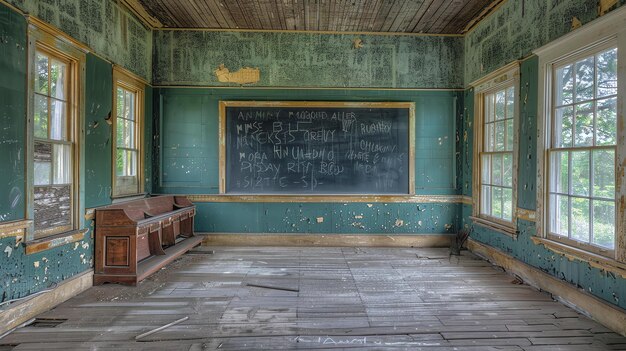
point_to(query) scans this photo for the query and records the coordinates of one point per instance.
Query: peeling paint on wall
(517, 28)
(103, 25)
(309, 59)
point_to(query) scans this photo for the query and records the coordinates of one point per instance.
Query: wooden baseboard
(328, 240)
(28, 309)
(606, 314)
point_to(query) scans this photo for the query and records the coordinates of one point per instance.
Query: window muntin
(53, 165)
(496, 154)
(581, 154)
(127, 127)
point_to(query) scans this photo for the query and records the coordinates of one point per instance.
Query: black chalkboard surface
(316, 148)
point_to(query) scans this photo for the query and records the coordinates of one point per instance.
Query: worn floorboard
(317, 298)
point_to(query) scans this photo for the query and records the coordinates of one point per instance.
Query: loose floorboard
(317, 298)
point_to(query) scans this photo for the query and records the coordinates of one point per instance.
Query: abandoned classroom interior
(313, 174)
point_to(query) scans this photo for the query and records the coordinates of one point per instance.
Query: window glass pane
(559, 213)
(58, 76)
(62, 164)
(486, 169)
(580, 219)
(604, 173)
(509, 135)
(499, 136)
(510, 102)
(52, 207)
(564, 85)
(121, 103)
(485, 207)
(125, 133)
(58, 120)
(40, 116)
(560, 172)
(507, 203)
(130, 103)
(584, 124)
(604, 223)
(490, 140)
(580, 173)
(500, 105)
(42, 163)
(507, 165)
(584, 79)
(564, 121)
(489, 110)
(126, 163)
(607, 73)
(606, 122)
(41, 73)
(496, 169)
(496, 202)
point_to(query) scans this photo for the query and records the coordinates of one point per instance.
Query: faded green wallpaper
(309, 60)
(100, 24)
(517, 28)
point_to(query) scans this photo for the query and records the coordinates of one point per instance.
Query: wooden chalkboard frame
(223, 105)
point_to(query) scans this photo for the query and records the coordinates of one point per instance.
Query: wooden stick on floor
(160, 328)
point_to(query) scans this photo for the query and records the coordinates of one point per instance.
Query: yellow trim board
(23, 311)
(608, 315)
(414, 199)
(15, 228)
(328, 240)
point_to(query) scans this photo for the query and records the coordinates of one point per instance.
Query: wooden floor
(318, 298)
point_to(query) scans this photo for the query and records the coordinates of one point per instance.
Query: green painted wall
(188, 155)
(21, 274)
(503, 37)
(309, 60)
(12, 111)
(102, 25)
(98, 104)
(517, 28)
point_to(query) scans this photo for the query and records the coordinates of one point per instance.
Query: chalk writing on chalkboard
(316, 148)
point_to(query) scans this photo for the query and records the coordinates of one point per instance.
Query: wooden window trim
(507, 76)
(49, 41)
(128, 81)
(606, 31)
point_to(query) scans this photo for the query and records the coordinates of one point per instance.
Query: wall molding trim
(28, 309)
(328, 240)
(608, 315)
(15, 229)
(414, 199)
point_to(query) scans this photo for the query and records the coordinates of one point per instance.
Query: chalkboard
(316, 148)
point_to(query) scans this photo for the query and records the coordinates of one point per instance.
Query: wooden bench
(137, 238)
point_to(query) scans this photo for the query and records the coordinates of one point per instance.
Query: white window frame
(609, 29)
(507, 76)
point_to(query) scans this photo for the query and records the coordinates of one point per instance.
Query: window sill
(595, 260)
(51, 242)
(500, 228)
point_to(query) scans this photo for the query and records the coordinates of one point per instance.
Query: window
(495, 149)
(54, 183)
(581, 107)
(127, 126)
(581, 152)
(54, 143)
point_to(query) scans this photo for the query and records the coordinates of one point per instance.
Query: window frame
(593, 38)
(127, 81)
(42, 38)
(501, 79)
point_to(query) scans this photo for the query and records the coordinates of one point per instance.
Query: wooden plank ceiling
(406, 16)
